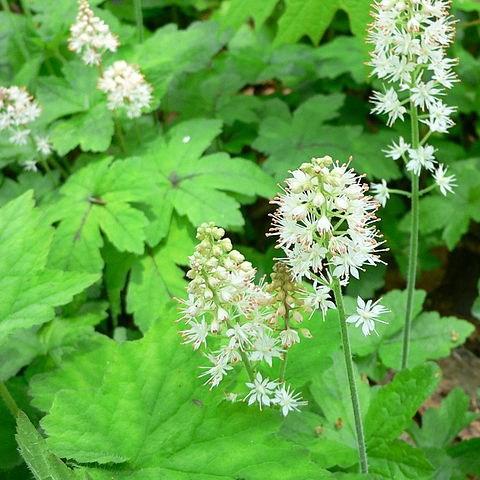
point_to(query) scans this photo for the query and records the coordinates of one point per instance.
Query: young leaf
(143, 409)
(43, 464)
(194, 185)
(98, 198)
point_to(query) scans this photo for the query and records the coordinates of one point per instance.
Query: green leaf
(143, 408)
(398, 460)
(76, 92)
(30, 292)
(312, 17)
(196, 185)
(156, 278)
(441, 425)
(393, 406)
(235, 12)
(92, 131)
(431, 337)
(98, 198)
(43, 464)
(170, 52)
(342, 55)
(452, 214)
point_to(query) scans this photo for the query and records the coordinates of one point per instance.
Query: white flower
(239, 335)
(19, 137)
(366, 315)
(265, 349)
(439, 117)
(289, 337)
(397, 150)
(388, 103)
(125, 88)
(319, 299)
(423, 94)
(196, 334)
(43, 145)
(17, 110)
(338, 230)
(90, 36)
(421, 157)
(30, 166)
(445, 182)
(380, 192)
(186, 139)
(261, 391)
(217, 371)
(288, 400)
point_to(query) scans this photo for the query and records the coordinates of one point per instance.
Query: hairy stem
(362, 450)
(413, 249)
(8, 399)
(139, 18)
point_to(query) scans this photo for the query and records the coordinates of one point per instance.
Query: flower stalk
(413, 248)
(347, 352)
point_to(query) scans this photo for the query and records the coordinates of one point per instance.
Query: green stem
(8, 399)
(245, 360)
(139, 18)
(283, 365)
(362, 451)
(399, 192)
(16, 33)
(413, 250)
(119, 133)
(423, 191)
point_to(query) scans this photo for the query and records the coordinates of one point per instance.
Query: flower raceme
(325, 225)
(90, 37)
(410, 38)
(125, 88)
(236, 320)
(18, 110)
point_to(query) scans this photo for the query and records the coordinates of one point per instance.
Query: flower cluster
(126, 88)
(325, 225)
(18, 109)
(234, 319)
(410, 38)
(90, 36)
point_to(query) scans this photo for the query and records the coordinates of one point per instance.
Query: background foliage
(93, 248)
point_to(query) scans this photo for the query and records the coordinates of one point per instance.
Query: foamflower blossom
(90, 37)
(445, 182)
(410, 40)
(380, 192)
(337, 236)
(367, 314)
(397, 150)
(288, 400)
(262, 391)
(126, 88)
(235, 321)
(18, 109)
